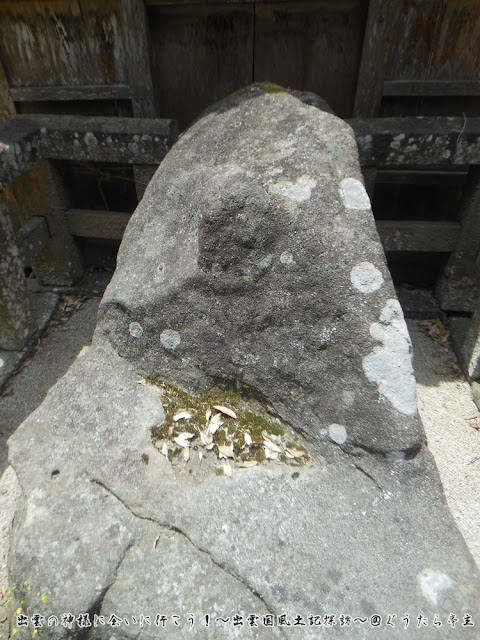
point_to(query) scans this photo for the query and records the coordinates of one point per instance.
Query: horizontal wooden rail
(97, 224)
(422, 178)
(433, 88)
(397, 235)
(418, 235)
(61, 94)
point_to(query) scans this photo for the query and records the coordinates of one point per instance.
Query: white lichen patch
(390, 365)
(353, 194)
(286, 258)
(366, 277)
(135, 329)
(300, 191)
(337, 433)
(170, 339)
(432, 583)
(2, 363)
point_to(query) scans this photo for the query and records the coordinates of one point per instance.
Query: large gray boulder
(250, 277)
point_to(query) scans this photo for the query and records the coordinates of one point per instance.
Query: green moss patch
(225, 422)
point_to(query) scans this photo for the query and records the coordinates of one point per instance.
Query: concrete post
(16, 317)
(458, 288)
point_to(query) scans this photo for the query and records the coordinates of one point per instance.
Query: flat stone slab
(239, 448)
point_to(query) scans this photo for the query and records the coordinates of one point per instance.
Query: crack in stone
(357, 466)
(187, 537)
(401, 454)
(98, 603)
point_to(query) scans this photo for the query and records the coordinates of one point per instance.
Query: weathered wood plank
(431, 88)
(201, 53)
(7, 108)
(139, 70)
(382, 21)
(97, 224)
(293, 41)
(137, 59)
(83, 92)
(438, 39)
(395, 235)
(418, 235)
(56, 42)
(31, 239)
(156, 3)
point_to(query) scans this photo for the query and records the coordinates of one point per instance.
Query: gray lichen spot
(366, 277)
(390, 365)
(348, 397)
(170, 339)
(353, 194)
(337, 433)
(432, 583)
(300, 191)
(135, 329)
(90, 139)
(286, 258)
(265, 262)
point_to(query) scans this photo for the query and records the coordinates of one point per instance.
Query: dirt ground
(450, 418)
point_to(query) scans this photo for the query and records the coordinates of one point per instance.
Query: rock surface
(252, 259)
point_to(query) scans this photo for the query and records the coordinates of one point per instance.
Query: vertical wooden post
(382, 22)
(137, 44)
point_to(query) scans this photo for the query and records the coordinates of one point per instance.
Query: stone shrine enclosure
(251, 278)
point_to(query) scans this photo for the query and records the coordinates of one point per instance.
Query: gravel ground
(450, 418)
(451, 421)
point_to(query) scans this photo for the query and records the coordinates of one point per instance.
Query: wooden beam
(31, 239)
(83, 92)
(136, 42)
(411, 235)
(163, 3)
(438, 88)
(418, 235)
(443, 178)
(382, 24)
(7, 108)
(139, 70)
(97, 224)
